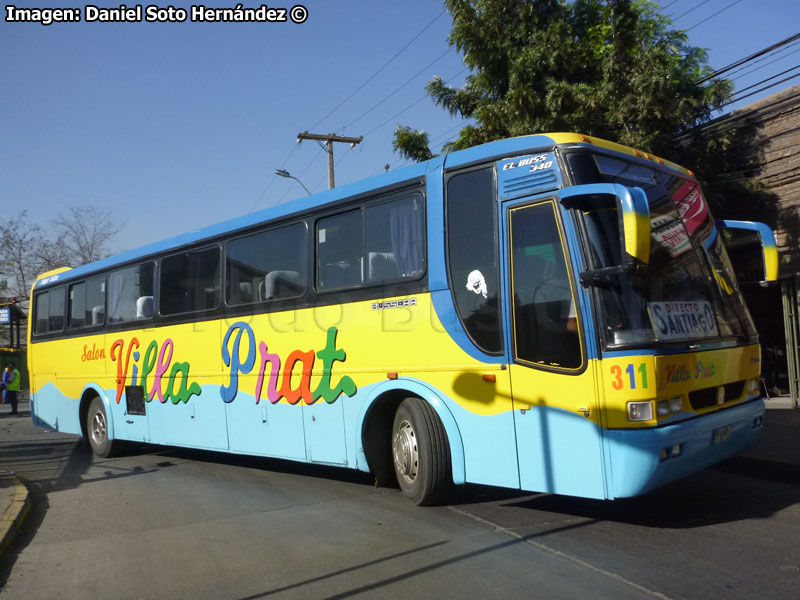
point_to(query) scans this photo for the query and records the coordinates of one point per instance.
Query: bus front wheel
(97, 430)
(421, 453)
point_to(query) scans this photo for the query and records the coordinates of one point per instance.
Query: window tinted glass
(472, 256)
(381, 243)
(270, 265)
(340, 251)
(96, 301)
(77, 303)
(42, 313)
(50, 311)
(57, 309)
(545, 319)
(130, 293)
(395, 240)
(190, 282)
(87, 303)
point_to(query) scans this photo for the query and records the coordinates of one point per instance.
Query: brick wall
(773, 159)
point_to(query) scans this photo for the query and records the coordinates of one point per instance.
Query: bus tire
(421, 453)
(97, 430)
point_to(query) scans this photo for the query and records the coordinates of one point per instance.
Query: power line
(772, 85)
(392, 118)
(274, 177)
(413, 104)
(767, 79)
(392, 94)
(690, 10)
(747, 59)
(329, 139)
(430, 144)
(731, 120)
(732, 4)
(386, 64)
(767, 64)
(338, 160)
(447, 133)
(303, 172)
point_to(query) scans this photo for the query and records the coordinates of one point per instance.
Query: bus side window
(50, 309)
(77, 305)
(472, 254)
(340, 251)
(189, 281)
(130, 293)
(87, 303)
(395, 240)
(266, 266)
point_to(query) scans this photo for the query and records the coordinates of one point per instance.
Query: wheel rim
(99, 429)
(406, 453)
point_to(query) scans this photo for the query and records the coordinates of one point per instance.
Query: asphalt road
(175, 523)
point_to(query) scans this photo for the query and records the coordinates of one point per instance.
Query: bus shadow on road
(739, 489)
(275, 465)
(754, 485)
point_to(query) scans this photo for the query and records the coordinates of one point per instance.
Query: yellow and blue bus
(553, 313)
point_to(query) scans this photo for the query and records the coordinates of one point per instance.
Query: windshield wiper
(606, 275)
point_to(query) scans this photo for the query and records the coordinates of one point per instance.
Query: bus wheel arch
(378, 415)
(97, 424)
(376, 435)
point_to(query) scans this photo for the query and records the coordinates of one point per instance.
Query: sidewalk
(14, 501)
(779, 444)
(14, 507)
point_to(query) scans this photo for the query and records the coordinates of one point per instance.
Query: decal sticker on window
(476, 283)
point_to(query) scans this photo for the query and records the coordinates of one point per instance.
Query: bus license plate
(722, 434)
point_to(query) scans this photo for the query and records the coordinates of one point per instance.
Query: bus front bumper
(644, 459)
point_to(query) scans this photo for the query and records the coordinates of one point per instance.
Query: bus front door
(553, 380)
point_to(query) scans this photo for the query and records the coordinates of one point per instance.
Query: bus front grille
(707, 397)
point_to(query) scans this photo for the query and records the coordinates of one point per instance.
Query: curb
(15, 515)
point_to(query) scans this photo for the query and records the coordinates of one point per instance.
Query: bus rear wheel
(97, 430)
(421, 453)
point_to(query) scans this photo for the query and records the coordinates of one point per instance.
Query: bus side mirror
(752, 249)
(634, 224)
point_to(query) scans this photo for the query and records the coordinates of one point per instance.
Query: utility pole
(328, 147)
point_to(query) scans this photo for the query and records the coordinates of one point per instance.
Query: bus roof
(386, 181)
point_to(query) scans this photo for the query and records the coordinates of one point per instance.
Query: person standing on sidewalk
(11, 381)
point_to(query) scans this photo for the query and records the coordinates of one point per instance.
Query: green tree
(610, 68)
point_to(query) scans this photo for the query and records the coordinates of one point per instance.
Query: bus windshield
(687, 292)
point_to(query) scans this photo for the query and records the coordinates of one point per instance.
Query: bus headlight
(753, 386)
(665, 408)
(662, 408)
(640, 411)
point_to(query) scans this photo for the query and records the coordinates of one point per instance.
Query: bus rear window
(49, 308)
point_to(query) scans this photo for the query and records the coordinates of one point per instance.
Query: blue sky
(174, 126)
